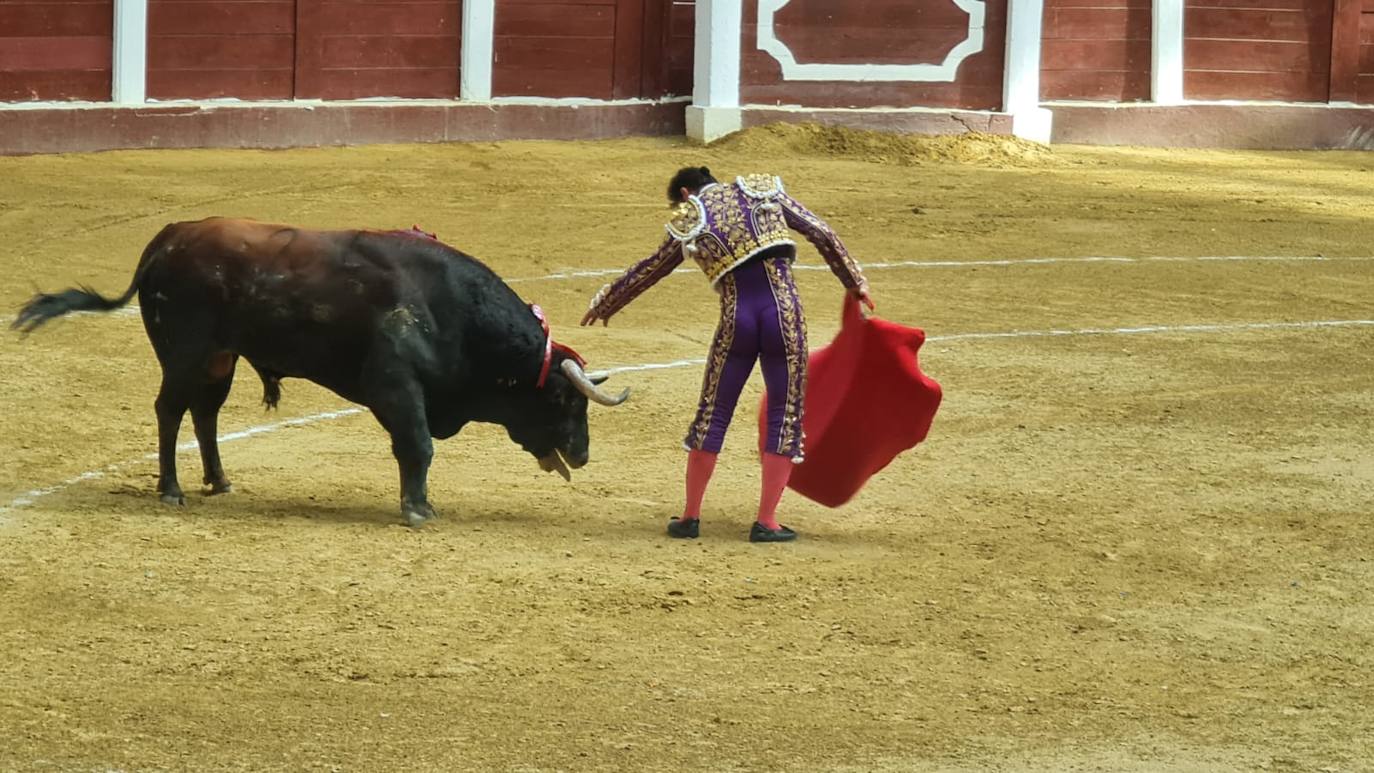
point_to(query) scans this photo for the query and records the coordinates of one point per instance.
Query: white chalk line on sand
(605, 272)
(28, 498)
(920, 264)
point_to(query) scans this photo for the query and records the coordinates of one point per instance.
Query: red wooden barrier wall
(875, 32)
(307, 49)
(1258, 49)
(572, 48)
(347, 49)
(221, 48)
(55, 50)
(602, 49)
(1096, 49)
(669, 40)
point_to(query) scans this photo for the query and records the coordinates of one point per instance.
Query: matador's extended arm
(617, 295)
(825, 240)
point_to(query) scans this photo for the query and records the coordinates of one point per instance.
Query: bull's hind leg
(173, 400)
(205, 405)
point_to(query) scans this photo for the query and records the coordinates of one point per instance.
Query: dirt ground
(1120, 549)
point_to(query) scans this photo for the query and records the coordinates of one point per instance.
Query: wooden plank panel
(653, 77)
(1364, 89)
(629, 42)
(1233, 23)
(345, 52)
(764, 71)
(554, 20)
(1260, 5)
(919, 45)
(377, 48)
(1366, 64)
(555, 54)
(1252, 56)
(52, 20)
(1095, 54)
(1139, 5)
(1104, 85)
(423, 17)
(1345, 50)
(216, 52)
(683, 16)
(186, 17)
(1284, 86)
(38, 54)
(249, 83)
(979, 83)
(417, 83)
(667, 50)
(867, 16)
(858, 95)
(65, 85)
(309, 50)
(1098, 23)
(551, 82)
(564, 48)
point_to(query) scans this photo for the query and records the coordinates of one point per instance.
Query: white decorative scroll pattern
(945, 71)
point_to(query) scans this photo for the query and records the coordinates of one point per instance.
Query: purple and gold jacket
(723, 226)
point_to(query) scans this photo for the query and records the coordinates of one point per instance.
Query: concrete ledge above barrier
(72, 128)
(1241, 125)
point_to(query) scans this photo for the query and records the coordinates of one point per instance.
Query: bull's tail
(46, 306)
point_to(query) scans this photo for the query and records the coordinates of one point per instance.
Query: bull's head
(554, 429)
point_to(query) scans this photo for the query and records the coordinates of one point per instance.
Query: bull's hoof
(220, 487)
(416, 515)
(173, 498)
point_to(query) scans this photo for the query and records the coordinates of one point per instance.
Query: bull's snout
(577, 461)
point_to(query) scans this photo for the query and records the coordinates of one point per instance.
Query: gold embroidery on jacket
(725, 225)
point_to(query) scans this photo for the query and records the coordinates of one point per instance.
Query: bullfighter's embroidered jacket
(722, 227)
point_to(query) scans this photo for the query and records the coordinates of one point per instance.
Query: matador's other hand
(592, 316)
(860, 293)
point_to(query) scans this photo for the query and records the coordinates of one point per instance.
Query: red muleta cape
(866, 401)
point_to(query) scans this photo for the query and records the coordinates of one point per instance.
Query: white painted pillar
(129, 79)
(1021, 79)
(1166, 53)
(715, 110)
(479, 46)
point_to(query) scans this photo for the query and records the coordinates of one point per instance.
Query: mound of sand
(972, 148)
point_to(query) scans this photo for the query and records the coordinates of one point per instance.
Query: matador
(739, 234)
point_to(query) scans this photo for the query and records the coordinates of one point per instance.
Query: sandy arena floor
(1142, 545)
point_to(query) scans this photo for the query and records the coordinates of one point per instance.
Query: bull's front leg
(402, 414)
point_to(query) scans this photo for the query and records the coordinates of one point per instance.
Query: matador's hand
(593, 309)
(860, 293)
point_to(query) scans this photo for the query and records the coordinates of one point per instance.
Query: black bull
(426, 337)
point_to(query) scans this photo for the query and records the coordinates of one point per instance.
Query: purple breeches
(760, 319)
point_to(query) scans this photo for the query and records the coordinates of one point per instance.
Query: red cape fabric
(866, 401)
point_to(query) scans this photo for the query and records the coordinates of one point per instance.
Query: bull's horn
(584, 385)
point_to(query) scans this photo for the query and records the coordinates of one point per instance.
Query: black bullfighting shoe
(684, 528)
(759, 533)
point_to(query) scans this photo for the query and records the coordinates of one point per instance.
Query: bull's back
(299, 302)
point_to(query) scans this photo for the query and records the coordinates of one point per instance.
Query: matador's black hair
(693, 178)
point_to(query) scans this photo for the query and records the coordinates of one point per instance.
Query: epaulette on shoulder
(688, 220)
(760, 186)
